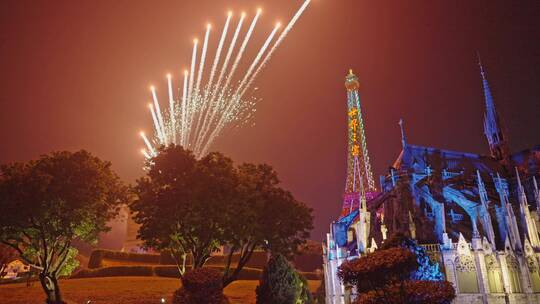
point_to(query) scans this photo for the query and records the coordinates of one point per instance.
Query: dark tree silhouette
(48, 203)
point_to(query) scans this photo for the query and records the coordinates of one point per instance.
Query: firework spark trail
(172, 116)
(258, 58)
(190, 104)
(203, 58)
(240, 53)
(157, 127)
(218, 54)
(215, 107)
(146, 155)
(183, 113)
(207, 124)
(232, 105)
(276, 45)
(148, 144)
(229, 53)
(159, 116)
(203, 104)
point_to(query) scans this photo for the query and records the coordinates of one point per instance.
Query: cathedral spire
(492, 124)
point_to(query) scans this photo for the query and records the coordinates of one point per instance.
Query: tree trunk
(51, 288)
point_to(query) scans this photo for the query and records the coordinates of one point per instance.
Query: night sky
(75, 74)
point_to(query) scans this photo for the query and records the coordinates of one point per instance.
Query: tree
(263, 216)
(191, 207)
(390, 275)
(48, 203)
(182, 204)
(281, 284)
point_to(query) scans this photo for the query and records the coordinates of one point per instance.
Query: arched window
(494, 274)
(351, 235)
(513, 273)
(534, 273)
(466, 274)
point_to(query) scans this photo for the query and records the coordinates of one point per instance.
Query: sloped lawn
(122, 290)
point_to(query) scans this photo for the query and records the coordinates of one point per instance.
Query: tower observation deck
(360, 186)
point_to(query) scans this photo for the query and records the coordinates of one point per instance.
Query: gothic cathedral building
(477, 216)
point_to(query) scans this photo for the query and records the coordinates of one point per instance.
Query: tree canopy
(48, 203)
(192, 207)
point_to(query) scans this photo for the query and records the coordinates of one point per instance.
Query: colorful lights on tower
(360, 185)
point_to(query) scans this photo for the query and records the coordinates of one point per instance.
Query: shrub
(378, 268)
(427, 269)
(390, 275)
(426, 292)
(281, 284)
(202, 285)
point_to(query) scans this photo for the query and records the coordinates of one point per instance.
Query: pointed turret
(528, 223)
(510, 221)
(536, 196)
(492, 124)
(485, 217)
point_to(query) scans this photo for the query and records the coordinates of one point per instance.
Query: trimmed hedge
(97, 257)
(160, 271)
(115, 271)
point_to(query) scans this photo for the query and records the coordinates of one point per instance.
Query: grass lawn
(122, 290)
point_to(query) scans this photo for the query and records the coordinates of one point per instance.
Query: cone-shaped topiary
(281, 284)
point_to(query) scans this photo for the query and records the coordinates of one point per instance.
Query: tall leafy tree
(191, 207)
(264, 216)
(182, 204)
(48, 203)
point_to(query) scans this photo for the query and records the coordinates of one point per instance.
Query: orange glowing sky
(75, 74)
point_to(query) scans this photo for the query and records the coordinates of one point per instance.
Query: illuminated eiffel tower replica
(360, 186)
(349, 235)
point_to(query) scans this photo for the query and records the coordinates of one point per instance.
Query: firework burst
(208, 105)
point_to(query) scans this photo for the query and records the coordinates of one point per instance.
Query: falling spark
(146, 155)
(209, 104)
(171, 108)
(203, 58)
(159, 116)
(157, 127)
(183, 110)
(148, 144)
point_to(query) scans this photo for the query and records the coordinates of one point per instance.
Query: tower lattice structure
(360, 185)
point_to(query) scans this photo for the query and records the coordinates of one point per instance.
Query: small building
(14, 269)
